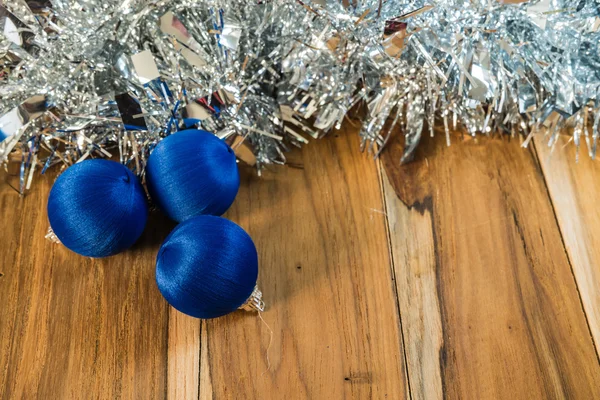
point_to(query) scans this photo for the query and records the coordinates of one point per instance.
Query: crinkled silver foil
(111, 78)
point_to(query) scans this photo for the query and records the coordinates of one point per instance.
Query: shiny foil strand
(111, 78)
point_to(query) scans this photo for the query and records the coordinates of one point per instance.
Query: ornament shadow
(157, 229)
(265, 207)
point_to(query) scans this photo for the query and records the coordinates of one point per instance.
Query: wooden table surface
(471, 273)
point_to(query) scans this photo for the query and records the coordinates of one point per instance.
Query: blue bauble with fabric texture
(97, 208)
(207, 267)
(192, 173)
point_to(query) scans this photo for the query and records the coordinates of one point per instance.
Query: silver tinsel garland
(102, 78)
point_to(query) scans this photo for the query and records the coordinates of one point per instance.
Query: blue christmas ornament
(97, 208)
(207, 267)
(191, 173)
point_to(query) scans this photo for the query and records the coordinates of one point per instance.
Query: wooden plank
(325, 273)
(413, 248)
(575, 189)
(183, 357)
(489, 305)
(206, 391)
(73, 327)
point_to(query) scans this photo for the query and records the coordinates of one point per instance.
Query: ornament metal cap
(254, 302)
(51, 236)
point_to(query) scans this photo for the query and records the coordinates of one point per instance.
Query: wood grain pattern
(575, 190)
(478, 294)
(490, 308)
(74, 327)
(183, 356)
(325, 273)
(414, 255)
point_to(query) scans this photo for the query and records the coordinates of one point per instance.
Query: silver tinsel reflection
(102, 78)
